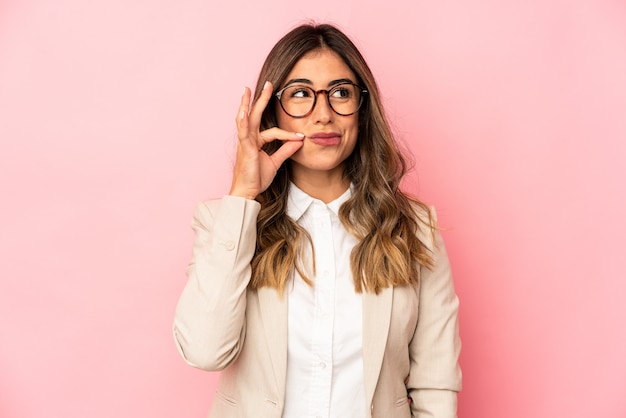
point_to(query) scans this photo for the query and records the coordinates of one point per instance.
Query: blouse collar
(298, 202)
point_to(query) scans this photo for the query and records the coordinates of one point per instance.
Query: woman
(317, 286)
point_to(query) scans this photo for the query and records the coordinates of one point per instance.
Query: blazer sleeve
(209, 323)
(435, 375)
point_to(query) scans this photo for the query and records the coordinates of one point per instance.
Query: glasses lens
(345, 98)
(298, 101)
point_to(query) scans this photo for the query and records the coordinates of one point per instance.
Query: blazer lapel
(274, 317)
(376, 320)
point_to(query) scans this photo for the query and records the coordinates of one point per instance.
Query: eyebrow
(309, 82)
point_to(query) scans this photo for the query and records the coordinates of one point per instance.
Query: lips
(326, 139)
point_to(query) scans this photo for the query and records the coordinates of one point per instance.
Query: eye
(299, 92)
(342, 92)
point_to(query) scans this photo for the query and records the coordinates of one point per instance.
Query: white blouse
(324, 358)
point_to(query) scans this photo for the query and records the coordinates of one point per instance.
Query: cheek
(287, 124)
(353, 129)
(351, 144)
(280, 117)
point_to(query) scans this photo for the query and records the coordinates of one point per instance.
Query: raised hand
(254, 168)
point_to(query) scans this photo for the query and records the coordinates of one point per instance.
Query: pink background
(117, 116)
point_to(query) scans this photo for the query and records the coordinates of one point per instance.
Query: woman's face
(329, 138)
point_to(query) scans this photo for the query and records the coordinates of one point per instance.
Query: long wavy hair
(384, 219)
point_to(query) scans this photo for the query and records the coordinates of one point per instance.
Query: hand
(254, 168)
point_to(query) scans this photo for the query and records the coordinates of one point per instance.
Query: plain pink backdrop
(116, 117)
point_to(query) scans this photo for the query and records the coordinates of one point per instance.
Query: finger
(242, 115)
(274, 134)
(256, 112)
(285, 151)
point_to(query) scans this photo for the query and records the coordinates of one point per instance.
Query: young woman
(317, 285)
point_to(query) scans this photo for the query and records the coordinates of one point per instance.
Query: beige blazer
(410, 334)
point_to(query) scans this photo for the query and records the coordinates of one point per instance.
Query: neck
(323, 185)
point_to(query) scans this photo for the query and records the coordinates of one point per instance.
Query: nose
(322, 113)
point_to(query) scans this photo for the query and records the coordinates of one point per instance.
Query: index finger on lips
(274, 134)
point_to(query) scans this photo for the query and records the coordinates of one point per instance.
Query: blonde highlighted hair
(384, 219)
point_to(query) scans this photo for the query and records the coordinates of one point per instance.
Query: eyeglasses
(299, 101)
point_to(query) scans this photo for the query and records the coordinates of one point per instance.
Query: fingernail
(244, 90)
(267, 83)
(299, 135)
(241, 115)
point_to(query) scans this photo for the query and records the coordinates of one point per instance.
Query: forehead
(321, 67)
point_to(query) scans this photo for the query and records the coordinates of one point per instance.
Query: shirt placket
(322, 331)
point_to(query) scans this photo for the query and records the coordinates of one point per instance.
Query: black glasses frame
(364, 92)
